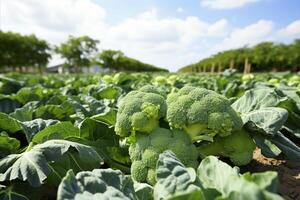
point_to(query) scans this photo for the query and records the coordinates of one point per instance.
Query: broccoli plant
(191, 115)
(140, 111)
(201, 113)
(145, 151)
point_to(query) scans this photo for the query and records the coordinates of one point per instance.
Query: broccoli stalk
(238, 147)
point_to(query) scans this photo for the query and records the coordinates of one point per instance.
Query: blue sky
(281, 11)
(166, 33)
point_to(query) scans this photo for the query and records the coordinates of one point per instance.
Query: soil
(288, 173)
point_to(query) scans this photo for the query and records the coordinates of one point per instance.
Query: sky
(166, 33)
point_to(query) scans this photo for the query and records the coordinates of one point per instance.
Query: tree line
(27, 53)
(22, 52)
(263, 57)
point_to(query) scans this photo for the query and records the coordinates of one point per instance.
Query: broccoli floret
(151, 177)
(140, 111)
(140, 171)
(201, 113)
(238, 147)
(144, 152)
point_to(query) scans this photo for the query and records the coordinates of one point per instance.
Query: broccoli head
(201, 113)
(144, 152)
(140, 111)
(238, 147)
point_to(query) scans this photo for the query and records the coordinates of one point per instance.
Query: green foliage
(214, 179)
(97, 184)
(17, 51)
(117, 61)
(77, 51)
(51, 124)
(263, 57)
(32, 166)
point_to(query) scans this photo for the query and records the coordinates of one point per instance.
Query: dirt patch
(288, 173)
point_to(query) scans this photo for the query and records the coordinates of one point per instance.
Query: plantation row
(263, 57)
(146, 136)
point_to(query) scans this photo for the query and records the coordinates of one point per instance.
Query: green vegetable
(145, 151)
(141, 111)
(202, 113)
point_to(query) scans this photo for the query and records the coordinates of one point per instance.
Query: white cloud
(163, 41)
(249, 35)
(292, 30)
(53, 20)
(225, 4)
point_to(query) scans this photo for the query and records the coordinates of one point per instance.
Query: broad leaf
(96, 184)
(9, 124)
(256, 99)
(265, 120)
(103, 137)
(173, 177)
(9, 85)
(33, 127)
(8, 145)
(265, 180)
(143, 191)
(207, 194)
(63, 130)
(32, 165)
(108, 117)
(216, 174)
(26, 112)
(8, 105)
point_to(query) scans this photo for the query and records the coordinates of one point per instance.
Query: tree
(282, 54)
(109, 59)
(263, 56)
(18, 51)
(37, 52)
(294, 57)
(78, 51)
(116, 60)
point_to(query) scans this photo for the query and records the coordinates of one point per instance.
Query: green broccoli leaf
(51, 129)
(266, 111)
(8, 144)
(9, 124)
(8, 104)
(32, 165)
(216, 174)
(96, 184)
(265, 120)
(31, 128)
(173, 177)
(143, 191)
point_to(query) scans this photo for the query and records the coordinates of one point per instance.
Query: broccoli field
(144, 136)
